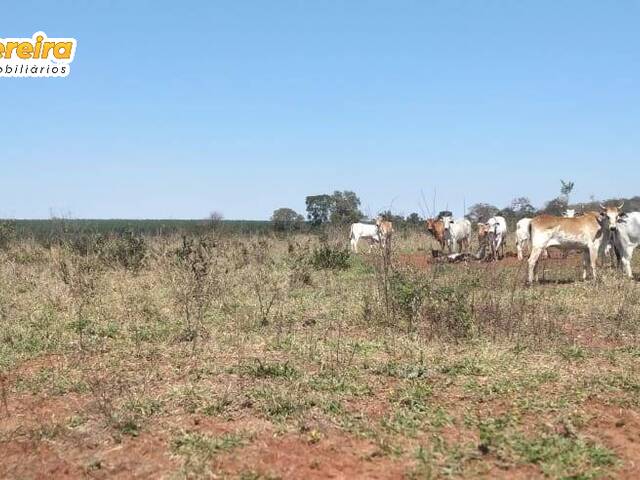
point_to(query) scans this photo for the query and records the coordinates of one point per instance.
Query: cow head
(611, 216)
(446, 222)
(435, 228)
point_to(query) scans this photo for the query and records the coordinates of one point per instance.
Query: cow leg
(354, 244)
(593, 258)
(519, 250)
(625, 260)
(585, 263)
(533, 263)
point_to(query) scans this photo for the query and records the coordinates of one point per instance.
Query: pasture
(262, 357)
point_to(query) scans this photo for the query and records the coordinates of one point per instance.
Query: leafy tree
(565, 190)
(318, 208)
(414, 219)
(214, 220)
(481, 212)
(345, 207)
(556, 207)
(286, 219)
(397, 220)
(522, 207)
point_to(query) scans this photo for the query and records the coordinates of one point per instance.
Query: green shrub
(7, 233)
(128, 251)
(327, 257)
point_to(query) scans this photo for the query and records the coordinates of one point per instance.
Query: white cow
(457, 233)
(569, 213)
(380, 232)
(364, 231)
(626, 238)
(496, 234)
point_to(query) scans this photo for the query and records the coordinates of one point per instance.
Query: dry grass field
(283, 357)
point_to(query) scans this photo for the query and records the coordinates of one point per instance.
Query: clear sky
(175, 109)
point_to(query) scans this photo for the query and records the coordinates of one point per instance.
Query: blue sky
(175, 109)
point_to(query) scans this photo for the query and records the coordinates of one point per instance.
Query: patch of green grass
(340, 383)
(203, 445)
(574, 353)
(414, 396)
(260, 369)
(565, 456)
(197, 449)
(280, 404)
(467, 366)
(54, 381)
(395, 369)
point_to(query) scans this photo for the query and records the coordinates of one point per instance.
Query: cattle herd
(607, 232)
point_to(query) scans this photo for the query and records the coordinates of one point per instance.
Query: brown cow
(436, 228)
(589, 233)
(385, 229)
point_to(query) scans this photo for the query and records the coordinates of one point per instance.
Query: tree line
(343, 208)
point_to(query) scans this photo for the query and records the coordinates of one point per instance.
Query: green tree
(556, 207)
(345, 207)
(318, 209)
(522, 207)
(565, 190)
(397, 220)
(481, 212)
(286, 219)
(414, 219)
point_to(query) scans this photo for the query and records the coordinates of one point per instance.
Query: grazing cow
(457, 233)
(436, 228)
(626, 237)
(378, 233)
(588, 232)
